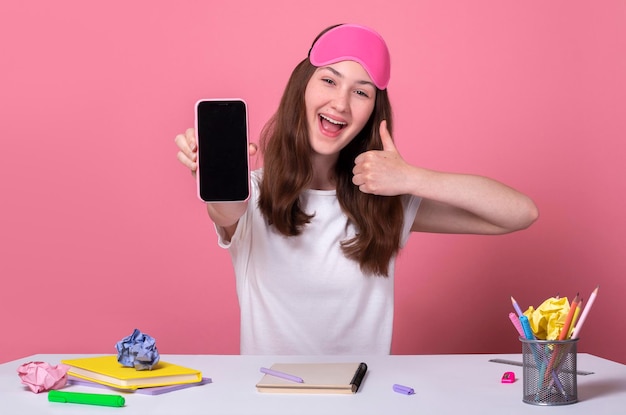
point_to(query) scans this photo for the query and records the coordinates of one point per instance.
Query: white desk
(444, 384)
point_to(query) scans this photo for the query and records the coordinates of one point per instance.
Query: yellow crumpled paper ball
(549, 318)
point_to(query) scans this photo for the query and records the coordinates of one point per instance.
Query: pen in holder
(549, 371)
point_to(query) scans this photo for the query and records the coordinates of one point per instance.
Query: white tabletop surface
(443, 384)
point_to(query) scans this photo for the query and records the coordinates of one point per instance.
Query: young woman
(314, 248)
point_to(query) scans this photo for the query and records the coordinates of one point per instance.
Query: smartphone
(223, 173)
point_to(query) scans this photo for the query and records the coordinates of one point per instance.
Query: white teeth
(330, 120)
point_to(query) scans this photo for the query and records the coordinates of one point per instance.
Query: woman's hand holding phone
(188, 150)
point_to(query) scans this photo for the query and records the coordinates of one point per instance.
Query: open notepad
(318, 378)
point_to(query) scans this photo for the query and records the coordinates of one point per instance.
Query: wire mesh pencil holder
(549, 371)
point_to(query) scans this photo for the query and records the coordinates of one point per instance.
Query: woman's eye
(362, 93)
(328, 81)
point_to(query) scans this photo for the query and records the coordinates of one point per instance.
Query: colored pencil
(583, 315)
(562, 335)
(575, 319)
(516, 307)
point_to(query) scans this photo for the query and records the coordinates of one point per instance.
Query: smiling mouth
(330, 125)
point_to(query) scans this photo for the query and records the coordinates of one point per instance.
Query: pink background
(101, 229)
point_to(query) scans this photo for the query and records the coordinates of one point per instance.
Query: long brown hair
(288, 171)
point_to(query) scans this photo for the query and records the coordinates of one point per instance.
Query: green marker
(86, 398)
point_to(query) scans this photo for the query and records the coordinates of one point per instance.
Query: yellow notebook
(108, 371)
(317, 378)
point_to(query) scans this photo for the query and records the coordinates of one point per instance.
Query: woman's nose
(341, 101)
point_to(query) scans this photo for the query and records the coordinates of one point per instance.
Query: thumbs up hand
(382, 172)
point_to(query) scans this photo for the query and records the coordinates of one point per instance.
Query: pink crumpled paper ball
(41, 377)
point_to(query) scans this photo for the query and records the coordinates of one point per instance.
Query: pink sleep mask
(355, 43)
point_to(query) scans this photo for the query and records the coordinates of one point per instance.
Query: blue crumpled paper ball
(137, 350)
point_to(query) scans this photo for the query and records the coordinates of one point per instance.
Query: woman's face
(339, 100)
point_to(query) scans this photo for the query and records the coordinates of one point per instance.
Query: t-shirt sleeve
(411, 205)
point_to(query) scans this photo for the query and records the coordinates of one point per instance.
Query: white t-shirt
(300, 294)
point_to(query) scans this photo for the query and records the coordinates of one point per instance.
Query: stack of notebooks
(108, 372)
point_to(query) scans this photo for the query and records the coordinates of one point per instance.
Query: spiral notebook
(323, 378)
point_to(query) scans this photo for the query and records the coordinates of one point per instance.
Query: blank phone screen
(222, 131)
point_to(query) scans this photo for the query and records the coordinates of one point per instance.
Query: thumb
(386, 139)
